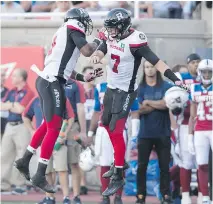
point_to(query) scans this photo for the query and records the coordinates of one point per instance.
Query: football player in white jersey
(200, 124)
(68, 43)
(125, 48)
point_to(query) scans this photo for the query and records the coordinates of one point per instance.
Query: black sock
(119, 172)
(41, 169)
(27, 156)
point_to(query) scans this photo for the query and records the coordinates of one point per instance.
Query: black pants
(162, 147)
(210, 172)
(52, 97)
(117, 104)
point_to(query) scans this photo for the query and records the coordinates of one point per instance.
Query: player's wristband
(79, 77)
(170, 75)
(90, 133)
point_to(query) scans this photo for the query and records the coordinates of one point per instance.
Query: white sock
(31, 149)
(43, 161)
(185, 195)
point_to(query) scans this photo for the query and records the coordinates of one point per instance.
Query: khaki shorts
(58, 160)
(74, 149)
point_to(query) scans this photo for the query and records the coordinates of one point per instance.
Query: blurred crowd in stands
(148, 9)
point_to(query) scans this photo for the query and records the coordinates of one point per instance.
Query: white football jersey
(62, 57)
(123, 65)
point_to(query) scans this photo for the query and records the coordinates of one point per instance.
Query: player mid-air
(200, 124)
(68, 43)
(125, 48)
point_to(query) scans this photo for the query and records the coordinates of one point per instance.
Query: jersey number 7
(117, 62)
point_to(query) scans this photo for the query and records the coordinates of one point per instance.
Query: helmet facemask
(205, 75)
(115, 29)
(87, 22)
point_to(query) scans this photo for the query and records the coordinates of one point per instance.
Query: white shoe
(206, 200)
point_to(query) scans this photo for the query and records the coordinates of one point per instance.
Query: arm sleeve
(80, 96)
(97, 106)
(29, 110)
(103, 47)
(146, 52)
(77, 36)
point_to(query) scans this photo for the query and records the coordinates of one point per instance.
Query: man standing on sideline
(154, 131)
(59, 157)
(16, 136)
(4, 91)
(75, 93)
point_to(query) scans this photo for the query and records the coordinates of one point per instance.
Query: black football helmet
(82, 16)
(118, 19)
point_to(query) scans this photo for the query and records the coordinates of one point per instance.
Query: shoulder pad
(75, 25)
(137, 39)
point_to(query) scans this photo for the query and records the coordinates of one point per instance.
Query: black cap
(192, 57)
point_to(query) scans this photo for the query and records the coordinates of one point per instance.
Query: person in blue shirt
(154, 131)
(103, 146)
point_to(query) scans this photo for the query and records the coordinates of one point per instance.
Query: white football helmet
(87, 159)
(176, 99)
(205, 64)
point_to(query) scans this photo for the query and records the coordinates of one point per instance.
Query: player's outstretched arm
(80, 41)
(145, 51)
(88, 49)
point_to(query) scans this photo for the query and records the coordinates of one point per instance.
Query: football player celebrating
(103, 146)
(125, 48)
(68, 43)
(200, 124)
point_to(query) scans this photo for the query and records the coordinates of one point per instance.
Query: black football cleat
(118, 200)
(116, 182)
(109, 173)
(23, 168)
(105, 200)
(41, 182)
